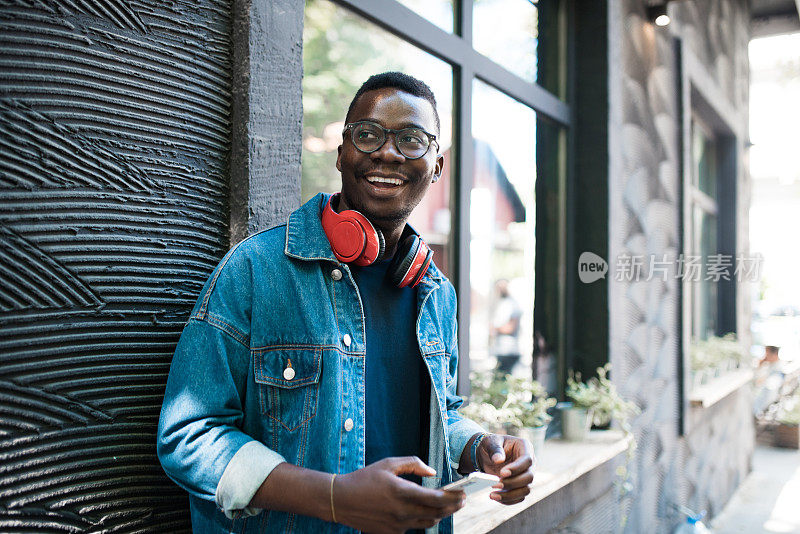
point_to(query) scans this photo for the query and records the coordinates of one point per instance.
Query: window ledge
(719, 388)
(560, 463)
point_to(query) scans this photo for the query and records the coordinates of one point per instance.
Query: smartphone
(473, 483)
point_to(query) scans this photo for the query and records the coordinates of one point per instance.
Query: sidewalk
(769, 499)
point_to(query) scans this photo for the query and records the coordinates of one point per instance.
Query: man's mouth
(384, 181)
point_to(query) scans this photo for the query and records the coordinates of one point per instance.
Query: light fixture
(658, 14)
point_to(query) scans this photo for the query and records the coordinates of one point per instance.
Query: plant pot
(706, 375)
(534, 434)
(787, 436)
(575, 423)
(697, 378)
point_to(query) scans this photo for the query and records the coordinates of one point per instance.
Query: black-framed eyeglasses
(412, 143)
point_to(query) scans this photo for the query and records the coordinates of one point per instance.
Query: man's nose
(388, 151)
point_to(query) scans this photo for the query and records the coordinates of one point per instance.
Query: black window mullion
(464, 166)
(464, 20)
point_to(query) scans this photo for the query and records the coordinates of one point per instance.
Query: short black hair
(400, 81)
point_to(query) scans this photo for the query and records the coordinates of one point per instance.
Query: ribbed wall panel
(114, 141)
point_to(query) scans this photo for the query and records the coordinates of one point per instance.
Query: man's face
(384, 202)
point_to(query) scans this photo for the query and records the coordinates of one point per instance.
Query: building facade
(139, 140)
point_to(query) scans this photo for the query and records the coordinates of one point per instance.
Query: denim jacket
(270, 368)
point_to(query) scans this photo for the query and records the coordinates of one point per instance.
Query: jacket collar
(306, 240)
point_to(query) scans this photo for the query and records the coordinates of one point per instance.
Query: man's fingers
(523, 479)
(523, 463)
(511, 496)
(493, 445)
(413, 511)
(410, 465)
(431, 497)
(426, 523)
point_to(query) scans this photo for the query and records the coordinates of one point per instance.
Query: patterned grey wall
(718, 34)
(704, 467)
(114, 139)
(644, 196)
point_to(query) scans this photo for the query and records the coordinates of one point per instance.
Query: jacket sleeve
(200, 442)
(459, 428)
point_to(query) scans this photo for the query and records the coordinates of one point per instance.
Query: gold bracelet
(333, 510)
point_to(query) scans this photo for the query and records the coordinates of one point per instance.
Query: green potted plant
(595, 401)
(528, 402)
(700, 365)
(715, 356)
(485, 401)
(510, 405)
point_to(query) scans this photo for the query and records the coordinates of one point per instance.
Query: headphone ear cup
(423, 269)
(352, 237)
(403, 259)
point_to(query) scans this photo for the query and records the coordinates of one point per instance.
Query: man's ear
(437, 170)
(339, 158)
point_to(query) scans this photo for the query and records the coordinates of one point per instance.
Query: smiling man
(318, 366)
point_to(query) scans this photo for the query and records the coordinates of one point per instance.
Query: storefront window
(704, 229)
(502, 232)
(341, 50)
(493, 226)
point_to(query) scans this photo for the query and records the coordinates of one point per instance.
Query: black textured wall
(114, 141)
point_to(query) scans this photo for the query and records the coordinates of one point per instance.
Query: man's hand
(508, 457)
(376, 499)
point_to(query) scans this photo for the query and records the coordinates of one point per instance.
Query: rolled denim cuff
(242, 477)
(459, 434)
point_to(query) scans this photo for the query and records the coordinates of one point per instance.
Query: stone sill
(560, 463)
(719, 388)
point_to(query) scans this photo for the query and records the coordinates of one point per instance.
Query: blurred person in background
(505, 328)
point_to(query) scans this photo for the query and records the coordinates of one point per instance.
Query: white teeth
(382, 180)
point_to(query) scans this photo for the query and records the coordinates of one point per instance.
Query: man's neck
(392, 237)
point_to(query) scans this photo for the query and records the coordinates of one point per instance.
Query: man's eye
(411, 139)
(367, 135)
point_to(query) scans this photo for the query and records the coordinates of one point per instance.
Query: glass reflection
(507, 31)
(705, 155)
(340, 51)
(704, 305)
(502, 232)
(439, 12)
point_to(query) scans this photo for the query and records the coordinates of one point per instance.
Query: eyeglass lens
(411, 142)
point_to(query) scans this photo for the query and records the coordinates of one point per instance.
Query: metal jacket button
(336, 274)
(288, 373)
(346, 339)
(348, 424)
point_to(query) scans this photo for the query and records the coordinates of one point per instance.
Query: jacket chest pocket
(288, 384)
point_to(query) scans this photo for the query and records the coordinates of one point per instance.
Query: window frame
(704, 102)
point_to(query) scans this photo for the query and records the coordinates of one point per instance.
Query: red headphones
(355, 240)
